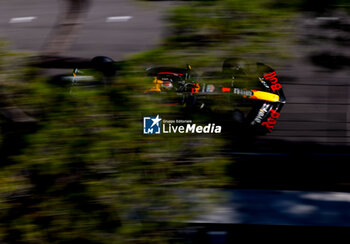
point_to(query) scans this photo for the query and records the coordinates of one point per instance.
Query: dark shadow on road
(277, 164)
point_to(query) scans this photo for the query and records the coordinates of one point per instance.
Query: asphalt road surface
(267, 207)
(316, 86)
(316, 82)
(111, 28)
(273, 216)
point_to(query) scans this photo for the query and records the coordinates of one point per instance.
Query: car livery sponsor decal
(243, 92)
(271, 121)
(264, 83)
(272, 77)
(261, 114)
(209, 88)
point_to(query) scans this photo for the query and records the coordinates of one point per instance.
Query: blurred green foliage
(82, 171)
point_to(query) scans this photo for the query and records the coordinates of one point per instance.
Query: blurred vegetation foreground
(75, 166)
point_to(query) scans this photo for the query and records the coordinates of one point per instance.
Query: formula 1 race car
(253, 91)
(250, 92)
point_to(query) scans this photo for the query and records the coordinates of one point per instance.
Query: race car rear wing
(264, 116)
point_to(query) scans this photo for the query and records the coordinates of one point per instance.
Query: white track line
(327, 18)
(118, 18)
(22, 19)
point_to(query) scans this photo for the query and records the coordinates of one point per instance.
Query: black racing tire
(104, 65)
